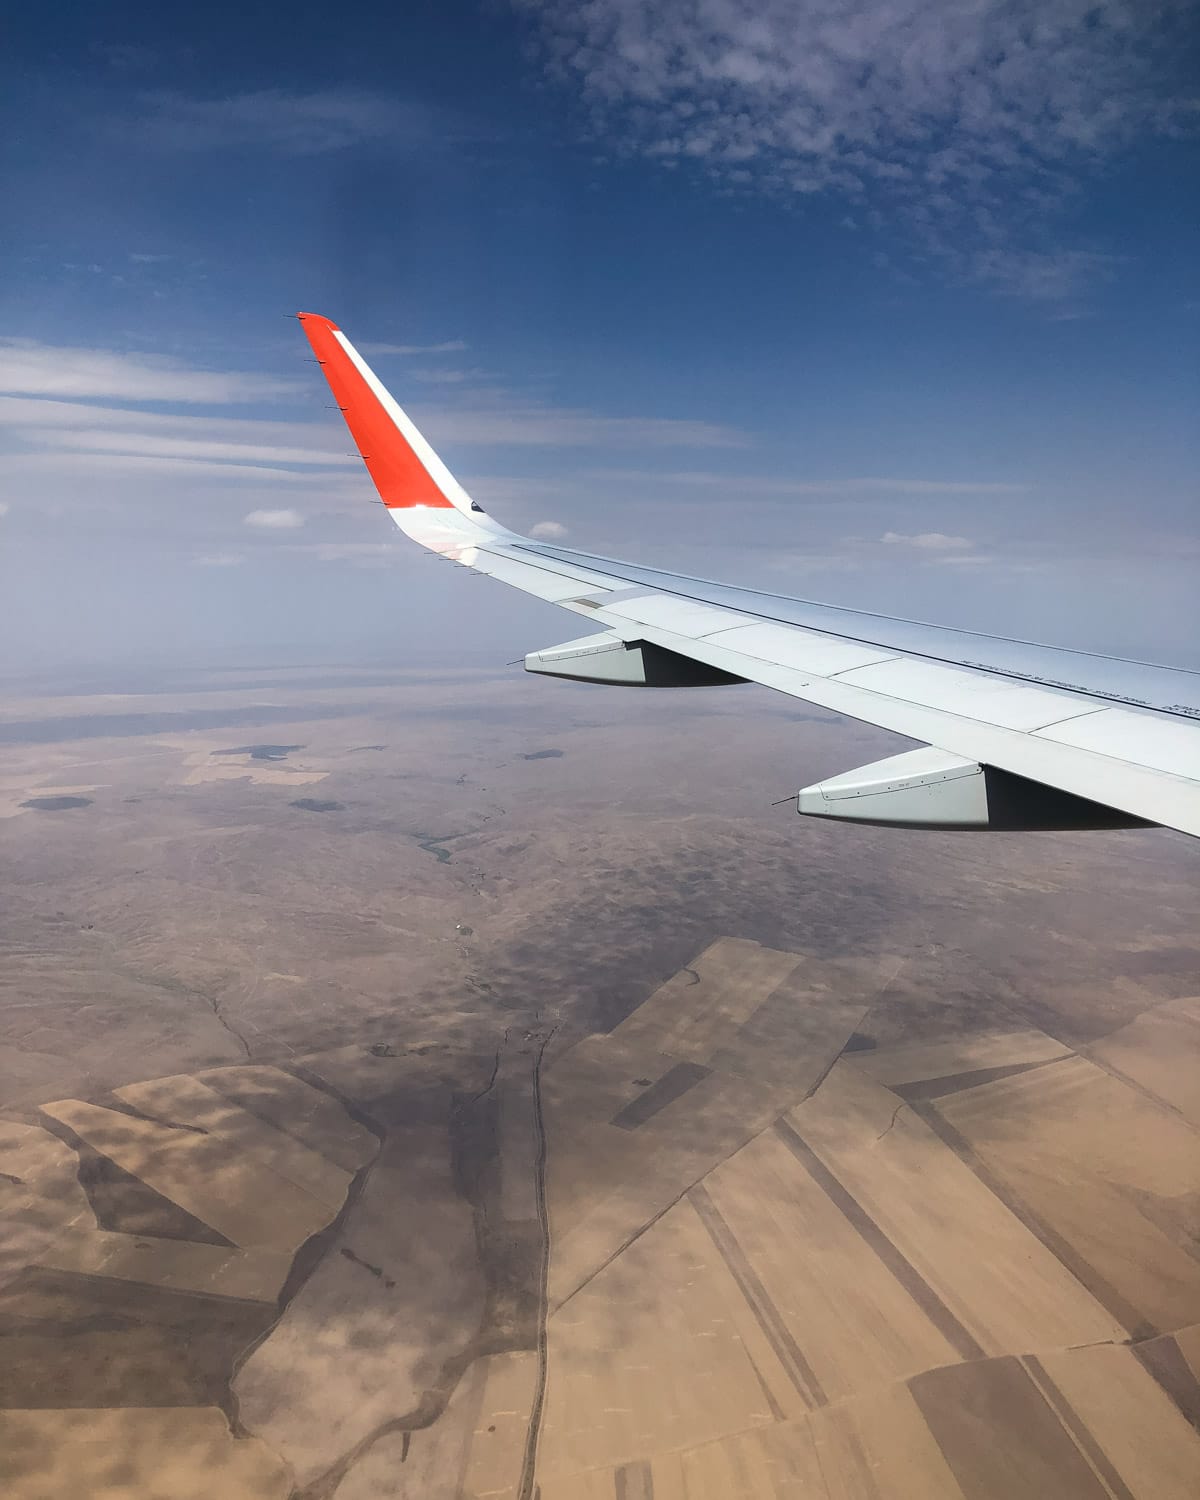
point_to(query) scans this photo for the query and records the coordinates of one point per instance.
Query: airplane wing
(1014, 735)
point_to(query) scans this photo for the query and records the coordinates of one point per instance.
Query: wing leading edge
(1024, 735)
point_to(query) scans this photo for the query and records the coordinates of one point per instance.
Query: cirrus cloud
(274, 520)
(285, 121)
(928, 541)
(30, 368)
(447, 346)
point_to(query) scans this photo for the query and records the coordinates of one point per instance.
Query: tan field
(245, 1200)
(188, 1454)
(496, 1119)
(1157, 1052)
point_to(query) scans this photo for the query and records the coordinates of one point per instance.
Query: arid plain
(448, 1084)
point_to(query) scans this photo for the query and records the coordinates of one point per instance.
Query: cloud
(73, 441)
(444, 377)
(126, 56)
(43, 421)
(548, 531)
(970, 560)
(296, 124)
(361, 554)
(507, 423)
(1045, 276)
(973, 120)
(80, 465)
(150, 445)
(190, 470)
(940, 549)
(34, 369)
(928, 541)
(4, 507)
(449, 346)
(765, 485)
(274, 520)
(219, 560)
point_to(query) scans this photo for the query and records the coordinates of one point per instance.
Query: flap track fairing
(607, 658)
(930, 788)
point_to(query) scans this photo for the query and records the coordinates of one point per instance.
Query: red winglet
(400, 476)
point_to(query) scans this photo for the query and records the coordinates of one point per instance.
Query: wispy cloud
(274, 520)
(34, 369)
(1044, 276)
(194, 471)
(445, 376)
(219, 560)
(70, 440)
(311, 441)
(969, 560)
(149, 445)
(79, 466)
(928, 541)
(297, 124)
(361, 554)
(126, 57)
(973, 120)
(514, 423)
(448, 346)
(768, 485)
(939, 548)
(548, 531)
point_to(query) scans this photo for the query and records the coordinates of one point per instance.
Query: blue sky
(872, 301)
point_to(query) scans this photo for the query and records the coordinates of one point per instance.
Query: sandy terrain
(530, 1109)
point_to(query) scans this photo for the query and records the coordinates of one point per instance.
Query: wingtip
(308, 317)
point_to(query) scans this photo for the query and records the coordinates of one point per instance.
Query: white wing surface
(1019, 735)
